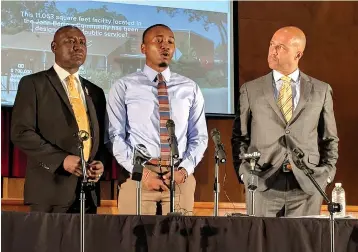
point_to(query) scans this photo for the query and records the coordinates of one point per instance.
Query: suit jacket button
(287, 132)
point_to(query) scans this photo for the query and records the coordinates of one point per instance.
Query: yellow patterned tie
(285, 101)
(79, 110)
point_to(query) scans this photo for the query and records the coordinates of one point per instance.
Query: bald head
(295, 36)
(286, 49)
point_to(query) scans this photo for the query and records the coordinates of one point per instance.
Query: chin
(272, 65)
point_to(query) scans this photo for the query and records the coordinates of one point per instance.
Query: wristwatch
(184, 172)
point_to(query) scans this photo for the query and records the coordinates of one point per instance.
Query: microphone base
(238, 215)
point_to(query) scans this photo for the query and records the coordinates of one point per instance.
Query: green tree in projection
(187, 63)
(71, 12)
(14, 12)
(103, 78)
(216, 77)
(102, 12)
(208, 19)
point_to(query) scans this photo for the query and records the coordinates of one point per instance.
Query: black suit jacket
(44, 127)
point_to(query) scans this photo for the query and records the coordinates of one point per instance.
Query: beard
(163, 64)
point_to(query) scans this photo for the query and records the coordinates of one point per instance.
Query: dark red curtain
(13, 161)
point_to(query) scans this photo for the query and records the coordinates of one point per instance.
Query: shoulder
(179, 79)
(123, 82)
(256, 83)
(318, 85)
(35, 76)
(91, 85)
(136, 76)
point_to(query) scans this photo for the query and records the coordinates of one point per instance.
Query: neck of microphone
(298, 152)
(140, 157)
(220, 153)
(83, 135)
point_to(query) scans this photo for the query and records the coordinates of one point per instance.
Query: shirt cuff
(128, 166)
(188, 165)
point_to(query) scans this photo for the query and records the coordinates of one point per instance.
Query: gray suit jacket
(260, 126)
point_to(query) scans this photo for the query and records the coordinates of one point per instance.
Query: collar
(63, 74)
(152, 74)
(294, 75)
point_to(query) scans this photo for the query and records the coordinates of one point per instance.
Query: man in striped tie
(139, 106)
(278, 112)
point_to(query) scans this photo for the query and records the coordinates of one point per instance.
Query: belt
(159, 162)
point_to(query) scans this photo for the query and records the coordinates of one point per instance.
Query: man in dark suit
(278, 112)
(50, 108)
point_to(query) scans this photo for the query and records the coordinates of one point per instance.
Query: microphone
(252, 157)
(298, 152)
(248, 156)
(173, 142)
(83, 135)
(140, 157)
(219, 147)
(300, 164)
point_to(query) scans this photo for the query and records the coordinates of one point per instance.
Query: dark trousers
(73, 207)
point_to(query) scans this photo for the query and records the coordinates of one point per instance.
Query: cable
(227, 196)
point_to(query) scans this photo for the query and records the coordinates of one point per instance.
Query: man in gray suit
(278, 112)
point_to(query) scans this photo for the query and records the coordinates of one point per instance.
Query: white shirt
(133, 117)
(63, 74)
(295, 85)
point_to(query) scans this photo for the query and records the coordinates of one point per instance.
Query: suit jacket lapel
(56, 82)
(93, 119)
(305, 90)
(270, 96)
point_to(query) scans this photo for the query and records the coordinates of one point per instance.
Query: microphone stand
(219, 158)
(252, 186)
(138, 178)
(139, 198)
(84, 186)
(216, 185)
(140, 157)
(174, 153)
(332, 206)
(172, 183)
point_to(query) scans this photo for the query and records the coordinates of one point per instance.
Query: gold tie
(80, 112)
(285, 101)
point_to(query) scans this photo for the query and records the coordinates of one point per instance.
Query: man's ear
(142, 48)
(299, 55)
(53, 46)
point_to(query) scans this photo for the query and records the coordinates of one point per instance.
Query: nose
(164, 44)
(78, 47)
(272, 50)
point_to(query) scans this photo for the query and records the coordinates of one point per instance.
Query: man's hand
(72, 164)
(179, 176)
(95, 170)
(152, 182)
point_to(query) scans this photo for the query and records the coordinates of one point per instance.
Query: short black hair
(66, 27)
(151, 27)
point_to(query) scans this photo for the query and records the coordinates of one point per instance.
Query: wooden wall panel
(331, 55)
